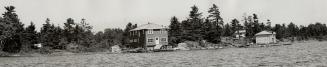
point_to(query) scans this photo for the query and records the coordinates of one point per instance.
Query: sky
(103, 14)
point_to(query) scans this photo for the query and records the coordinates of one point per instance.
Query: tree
(84, 34)
(280, 31)
(214, 15)
(174, 32)
(11, 32)
(50, 35)
(68, 33)
(128, 27)
(228, 30)
(252, 25)
(215, 23)
(256, 25)
(236, 26)
(108, 38)
(292, 30)
(31, 34)
(192, 26)
(303, 32)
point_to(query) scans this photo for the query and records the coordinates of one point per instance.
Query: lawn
(308, 54)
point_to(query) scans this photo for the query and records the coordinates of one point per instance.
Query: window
(164, 39)
(150, 40)
(150, 31)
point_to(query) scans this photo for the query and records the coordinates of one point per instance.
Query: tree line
(15, 37)
(212, 27)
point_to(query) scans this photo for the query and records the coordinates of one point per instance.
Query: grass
(306, 54)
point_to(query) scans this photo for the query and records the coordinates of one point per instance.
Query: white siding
(265, 39)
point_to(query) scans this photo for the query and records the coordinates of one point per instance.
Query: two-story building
(148, 36)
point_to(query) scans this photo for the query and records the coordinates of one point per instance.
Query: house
(265, 37)
(148, 36)
(240, 33)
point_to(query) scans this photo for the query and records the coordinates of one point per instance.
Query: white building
(265, 37)
(240, 33)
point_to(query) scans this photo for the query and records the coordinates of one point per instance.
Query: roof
(149, 26)
(264, 33)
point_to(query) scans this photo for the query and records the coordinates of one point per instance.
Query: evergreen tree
(214, 15)
(216, 25)
(257, 27)
(31, 34)
(193, 30)
(69, 27)
(11, 32)
(46, 33)
(292, 29)
(236, 26)
(83, 30)
(174, 31)
(228, 30)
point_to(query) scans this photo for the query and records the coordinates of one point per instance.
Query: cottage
(265, 37)
(148, 36)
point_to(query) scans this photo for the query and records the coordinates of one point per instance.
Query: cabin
(265, 37)
(148, 36)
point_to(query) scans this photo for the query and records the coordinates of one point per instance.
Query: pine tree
(46, 33)
(69, 27)
(192, 26)
(228, 30)
(31, 34)
(216, 26)
(236, 26)
(11, 32)
(292, 29)
(174, 31)
(83, 30)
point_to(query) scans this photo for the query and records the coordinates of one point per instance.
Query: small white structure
(265, 37)
(37, 46)
(115, 49)
(240, 33)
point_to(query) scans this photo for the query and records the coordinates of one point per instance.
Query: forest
(16, 37)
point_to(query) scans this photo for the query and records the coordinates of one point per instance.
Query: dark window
(150, 40)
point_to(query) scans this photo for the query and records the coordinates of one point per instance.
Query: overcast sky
(103, 14)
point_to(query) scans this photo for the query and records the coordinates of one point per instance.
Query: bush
(46, 50)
